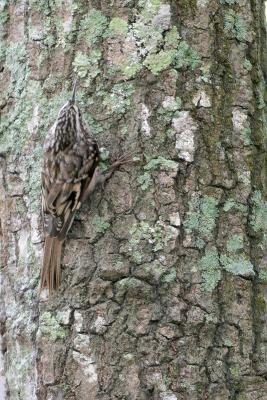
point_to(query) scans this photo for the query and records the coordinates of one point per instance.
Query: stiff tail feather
(51, 272)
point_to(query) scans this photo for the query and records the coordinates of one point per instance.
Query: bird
(69, 175)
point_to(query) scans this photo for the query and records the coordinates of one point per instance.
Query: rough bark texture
(164, 272)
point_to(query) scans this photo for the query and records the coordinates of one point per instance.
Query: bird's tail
(51, 273)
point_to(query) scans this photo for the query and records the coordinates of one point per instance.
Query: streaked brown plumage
(69, 175)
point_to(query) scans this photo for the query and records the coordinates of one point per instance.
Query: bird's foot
(124, 159)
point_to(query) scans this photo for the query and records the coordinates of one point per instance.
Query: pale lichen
(87, 65)
(235, 242)
(92, 27)
(258, 219)
(201, 99)
(101, 224)
(117, 27)
(159, 161)
(235, 25)
(169, 109)
(145, 127)
(157, 62)
(49, 326)
(237, 265)
(186, 56)
(185, 128)
(209, 267)
(241, 125)
(160, 236)
(145, 181)
(201, 217)
(232, 204)
(118, 100)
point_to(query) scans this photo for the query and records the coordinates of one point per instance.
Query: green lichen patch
(4, 16)
(235, 373)
(211, 265)
(228, 342)
(170, 276)
(172, 104)
(81, 64)
(234, 243)
(144, 181)
(50, 327)
(186, 57)
(146, 45)
(129, 62)
(157, 236)
(169, 109)
(3, 20)
(87, 65)
(231, 204)
(210, 269)
(101, 224)
(16, 63)
(95, 127)
(147, 32)
(258, 219)
(201, 217)
(247, 65)
(230, 2)
(92, 27)
(206, 72)
(238, 265)
(65, 32)
(154, 163)
(137, 256)
(33, 166)
(235, 25)
(181, 56)
(260, 90)
(117, 27)
(152, 5)
(242, 396)
(118, 101)
(161, 51)
(130, 68)
(262, 275)
(157, 62)
(14, 126)
(172, 39)
(245, 134)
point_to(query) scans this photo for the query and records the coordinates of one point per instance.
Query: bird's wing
(65, 177)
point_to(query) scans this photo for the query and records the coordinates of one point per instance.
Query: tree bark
(164, 271)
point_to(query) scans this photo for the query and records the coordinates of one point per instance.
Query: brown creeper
(70, 159)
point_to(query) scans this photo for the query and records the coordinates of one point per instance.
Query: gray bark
(164, 271)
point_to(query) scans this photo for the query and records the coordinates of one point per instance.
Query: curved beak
(74, 91)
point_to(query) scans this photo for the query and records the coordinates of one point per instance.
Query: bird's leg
(125, 159)
(94, 182)
(99, 178)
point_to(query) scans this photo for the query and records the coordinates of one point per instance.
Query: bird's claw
(124, 159)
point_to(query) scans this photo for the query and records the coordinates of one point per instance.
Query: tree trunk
(164, 270)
